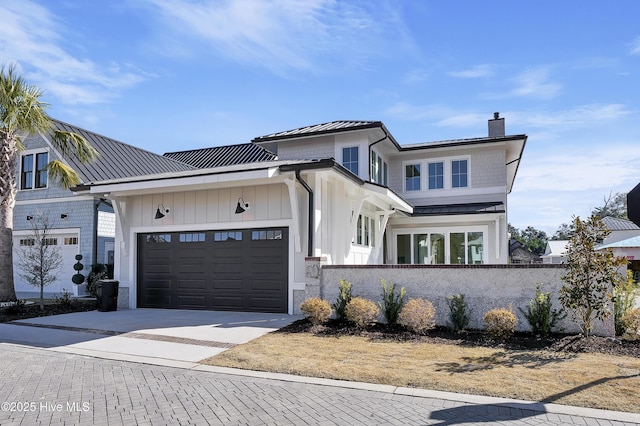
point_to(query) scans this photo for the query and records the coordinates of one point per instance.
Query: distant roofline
(300, 133)
(460, 142)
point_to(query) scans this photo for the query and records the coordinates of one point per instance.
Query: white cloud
(30, 37)
(534, 83)
(579, 117)
(284, 35)
(635, 47)
(478, 71)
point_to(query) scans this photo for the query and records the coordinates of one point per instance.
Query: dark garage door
(238, 270)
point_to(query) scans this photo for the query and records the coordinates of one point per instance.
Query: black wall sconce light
(242, 206)
(162, 211)
(29, 217)
(64, 216)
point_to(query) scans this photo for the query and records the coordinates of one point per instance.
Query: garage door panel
(227, 284)
(191, 284)
(228, 303)
(266, 285)
(191, 302)
(246, 273)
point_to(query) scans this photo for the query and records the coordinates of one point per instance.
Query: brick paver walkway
(40, 387)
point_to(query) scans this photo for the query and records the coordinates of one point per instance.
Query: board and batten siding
(267, 202)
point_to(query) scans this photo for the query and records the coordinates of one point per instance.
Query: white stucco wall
(484, 287)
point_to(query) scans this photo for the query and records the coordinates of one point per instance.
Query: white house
(555, 252)
(234, 234)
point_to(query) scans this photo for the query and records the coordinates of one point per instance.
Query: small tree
(344, 297)
(624, 297)
(392, 302)
(40, 258)
(590, 274)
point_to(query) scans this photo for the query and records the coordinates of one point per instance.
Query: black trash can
(107, 292)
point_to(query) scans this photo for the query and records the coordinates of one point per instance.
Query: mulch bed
(442, 335)
(34, 311)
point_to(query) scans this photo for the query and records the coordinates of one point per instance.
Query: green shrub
(16, 307)
(631, 323)
(316, 310)
(459, 317)
(344, 297)
(392, 303)
(361, 311)
(539, 314)
(66, 299)
(624, 295)
(418, 315)
(500, 323)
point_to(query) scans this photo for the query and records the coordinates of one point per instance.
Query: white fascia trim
(480, 218)
(455, 192)
(182, 182)
(56, 200)
(52, 231)
(394, 200)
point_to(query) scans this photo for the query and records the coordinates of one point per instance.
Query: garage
(235, 270)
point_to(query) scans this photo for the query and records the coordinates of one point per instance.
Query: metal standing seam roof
(453, 209)
(222, 156)
(616, 224)
(117, 159)
(319, 129)
(628, 243)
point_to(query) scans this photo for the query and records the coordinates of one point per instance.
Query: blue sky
(170, 75)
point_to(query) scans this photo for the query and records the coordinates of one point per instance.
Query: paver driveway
(40, 386)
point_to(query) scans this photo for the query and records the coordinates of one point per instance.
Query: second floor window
(350, 159)
(33, 173)
(412, 177)
(459, 174)
(379, 169)
(436, 175)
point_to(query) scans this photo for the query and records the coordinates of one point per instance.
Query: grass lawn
(586, 380)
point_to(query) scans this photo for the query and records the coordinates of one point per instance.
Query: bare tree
(40, 257)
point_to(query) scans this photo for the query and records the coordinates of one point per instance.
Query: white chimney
(496, 126)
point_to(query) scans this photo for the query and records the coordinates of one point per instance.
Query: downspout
(386, 135)
(311, 213)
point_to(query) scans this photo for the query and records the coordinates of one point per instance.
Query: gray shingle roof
(117, 159)
(319, 129)
(219, 156)
(616, 224)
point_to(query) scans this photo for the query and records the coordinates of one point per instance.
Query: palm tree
(22, 114)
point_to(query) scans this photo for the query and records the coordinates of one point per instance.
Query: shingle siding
(307, 149)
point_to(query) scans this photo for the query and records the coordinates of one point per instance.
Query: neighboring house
(620, 229)
(235, 233)
(518, 253)
(555, 252)
(82, 224)
(629, 248)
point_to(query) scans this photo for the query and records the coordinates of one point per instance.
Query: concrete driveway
(163, 336)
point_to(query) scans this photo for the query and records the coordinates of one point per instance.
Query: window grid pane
(412, 177)
(350, 159)
(459, 174)
(26, 178)
(436, 175)
(41, 174)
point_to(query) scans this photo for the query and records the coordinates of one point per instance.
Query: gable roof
(323, 129)
(219, 156)
(116, 159)
(556, 248)
(616, 224)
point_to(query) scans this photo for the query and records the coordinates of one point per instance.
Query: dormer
(362, 147)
